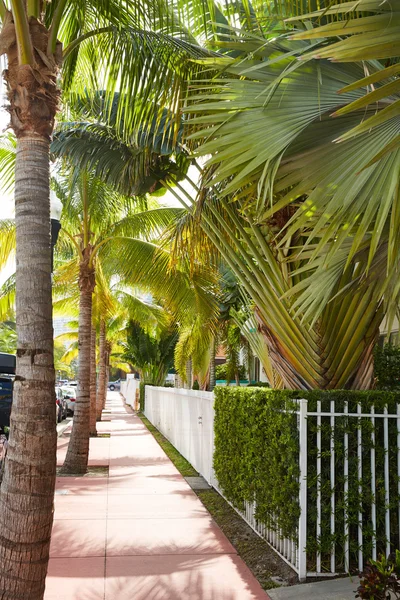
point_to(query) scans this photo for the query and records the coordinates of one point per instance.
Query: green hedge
(142, 386)
(257, 458)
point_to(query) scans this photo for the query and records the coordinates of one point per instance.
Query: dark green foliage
(221, 372)
(142, 386)
(195, 385)
(380, 580)
(257, 457)
(387, 367)
(264, 384)
(256, 452)
(152, 356)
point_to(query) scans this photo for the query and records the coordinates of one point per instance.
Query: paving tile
(332, 589)
(155, 506)
(80, 486)
(74, 506)
(75, 579)
(162, 468)
(166, 536)
(132, 484)
(83, 538)
(223, 577)
(99, 451)
(161, 542)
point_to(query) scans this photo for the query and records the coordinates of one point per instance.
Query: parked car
(69, 394)
(71, 384)
(62, 405)
(114, 385)
(7, 371)
(6, 394)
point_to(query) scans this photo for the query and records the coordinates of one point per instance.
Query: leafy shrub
(257, 459)
(259, 384)
(380, 580)
(221, 371)
(195, 385)
(387, 367)
(256, 452)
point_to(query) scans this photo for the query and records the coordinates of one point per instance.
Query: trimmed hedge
(257, 459)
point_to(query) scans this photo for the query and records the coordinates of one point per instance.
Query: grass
(91, 472)
(258, 556)
(183, 466)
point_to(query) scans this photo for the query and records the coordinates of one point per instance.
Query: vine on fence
(257, 459)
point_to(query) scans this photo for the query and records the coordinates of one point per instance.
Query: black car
(7, 370)
(6, 387)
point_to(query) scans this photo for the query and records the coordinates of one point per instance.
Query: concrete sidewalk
(141, 533)
(336, 589)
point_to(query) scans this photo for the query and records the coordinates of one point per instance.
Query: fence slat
(303, 490)
(319, 450)
(373, 485)
(346, 494)
(398, 470)
(359, 478)
(333, 499)
(387, 495)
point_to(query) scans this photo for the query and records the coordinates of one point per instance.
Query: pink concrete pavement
(141, 533)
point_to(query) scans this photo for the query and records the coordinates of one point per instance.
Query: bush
(142, 386)
(256, 452)
(387, 367)
(257, 459)
(380, 580)
(259, 384)
(221, 371)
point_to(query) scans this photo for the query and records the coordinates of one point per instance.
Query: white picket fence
(186, 418)
(130, 391)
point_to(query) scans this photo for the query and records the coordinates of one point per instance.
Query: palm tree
(93, 219)
(308, 225)
(151, 353)
(88, 41)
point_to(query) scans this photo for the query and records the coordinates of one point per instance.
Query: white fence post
(302, 567)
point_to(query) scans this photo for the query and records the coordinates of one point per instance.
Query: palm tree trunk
(93, 432)
(76, 460)
(361, 378)
(101, 389)
(212, 364)
(27, 489)
(107, 379)
(189, 374)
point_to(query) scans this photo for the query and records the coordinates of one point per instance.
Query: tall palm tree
(86, 40)
(308, 225)
(94, 217)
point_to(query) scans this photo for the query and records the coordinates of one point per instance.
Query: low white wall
(130, 391)
(186, 419)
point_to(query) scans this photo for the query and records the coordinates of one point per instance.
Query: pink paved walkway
(141, 533)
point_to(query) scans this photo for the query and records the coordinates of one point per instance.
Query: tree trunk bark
(361, 377)
(93, 431)
(212, 364)
(27, 489)
(102, 371)
(107, 379)
(77, 457)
